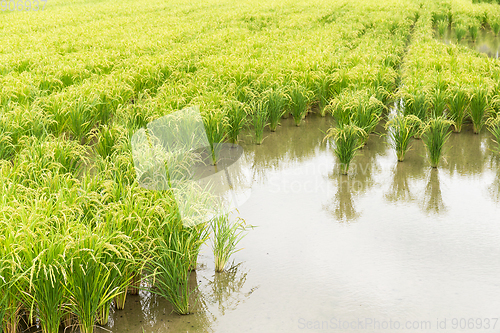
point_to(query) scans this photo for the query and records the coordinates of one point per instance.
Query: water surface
(391, 242)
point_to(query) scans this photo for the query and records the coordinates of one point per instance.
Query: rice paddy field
(362, 140)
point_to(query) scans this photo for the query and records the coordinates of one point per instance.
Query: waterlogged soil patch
(390, 242)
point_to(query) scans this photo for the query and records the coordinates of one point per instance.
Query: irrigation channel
(390, 242)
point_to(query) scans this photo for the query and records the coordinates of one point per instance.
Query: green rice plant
(81, 118)
(46, 277)
(442, 25)
(366, 115)
(169, 262)
(226, 236)
(401, 129)
(90, 284)
(276, 102)
(107, 139)
(347, 140)
(460, 31)
(234, 119)
(479, 107)
(493, 124)
(494, 22)
(458, 105)
(260, 115)
(324, 91)
(340, 108)
(473, 30)
(299, 99)
(11, 269)
(213, 120)
(436, 133)
(7, 148)
(416, 104)
(438, 103)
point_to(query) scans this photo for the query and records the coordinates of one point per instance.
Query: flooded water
(390, 245)
(486, 41)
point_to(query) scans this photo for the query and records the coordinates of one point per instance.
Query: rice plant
(479, 107)
(107, 139)
(458, 107)
(234, 119)
(324, 91)
(473, 31)
(169, 263)
(493, 124)
(90, 285)
(460, 31)
(416, 104)
(214, 127)
(46, 278)
(276, 101)
(494, 22)
(442, 25)
(226, 236)
(366, 115)
(438, 103)
(81, 119)
(299, 99)
(401, 129)
(347, 139)
(260, 115)
(436, 133)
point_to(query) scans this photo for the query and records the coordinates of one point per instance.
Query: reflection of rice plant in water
(276, 101)
(436, 133)
(226, 236)
(401, 129)
(260, 115)
(458, 104)
(299, 97)
(493, 124)
(348, 139)
(478, 107)
(433, 200)
(234, 119)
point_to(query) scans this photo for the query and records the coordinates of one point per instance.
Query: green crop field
(79, 78)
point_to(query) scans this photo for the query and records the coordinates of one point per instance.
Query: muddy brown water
(487, 42)
(391, 245)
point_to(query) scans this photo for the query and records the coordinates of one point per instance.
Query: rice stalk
(493, 124)
(436, 133)
(348, 139)
(276, 101)
(234, 119)
(458, 107)
(226, 236)
(479, 107)
(213, 121)
(299, 99)
(260, 115)
(401, 129)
